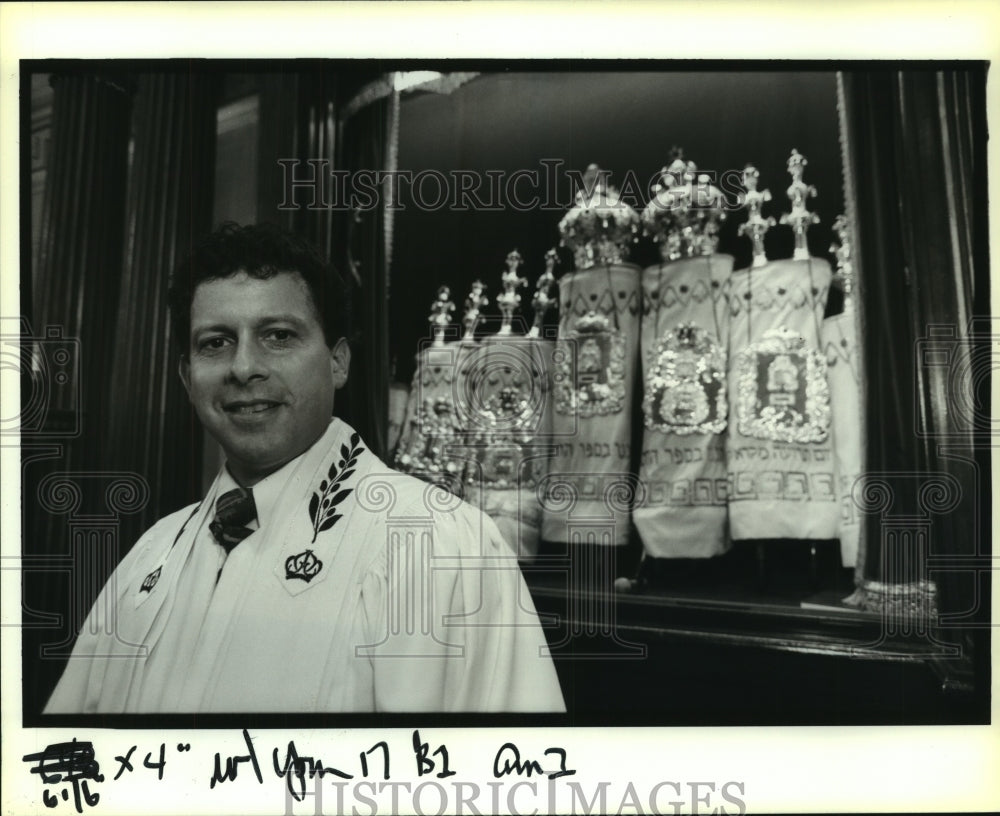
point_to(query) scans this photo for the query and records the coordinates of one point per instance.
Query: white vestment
(362, 589)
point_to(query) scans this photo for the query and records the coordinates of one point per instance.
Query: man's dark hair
(262, 251)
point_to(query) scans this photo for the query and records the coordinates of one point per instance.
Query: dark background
(623, 121)
(706, 664)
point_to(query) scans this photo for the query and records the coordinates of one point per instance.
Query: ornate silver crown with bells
(684, 215)
(600, 228)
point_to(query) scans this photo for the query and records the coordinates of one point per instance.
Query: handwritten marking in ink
(424, 764)
(296, 767)
(513, 764)
(385, 759)
(563, 771)
(125, 762)
(157, 765)
(233, 765)
(68, 762)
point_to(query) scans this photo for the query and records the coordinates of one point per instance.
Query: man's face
(259, 372)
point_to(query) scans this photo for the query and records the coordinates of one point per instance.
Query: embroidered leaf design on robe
(331, 493)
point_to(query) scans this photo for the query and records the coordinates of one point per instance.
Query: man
(311, 577)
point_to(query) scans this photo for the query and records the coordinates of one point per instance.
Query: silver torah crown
(684, 215)
(600, 228)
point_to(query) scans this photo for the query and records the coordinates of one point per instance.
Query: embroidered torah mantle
(509, 423)
(431, 443)
(681, 506)
(840, 346)
(588, 491)
(779, 448)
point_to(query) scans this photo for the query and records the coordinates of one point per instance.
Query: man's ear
(184, 370)
(340, 362)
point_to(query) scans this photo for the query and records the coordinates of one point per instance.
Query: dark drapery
(120, 448)
(918, 165)
(313, 122)
(69, 540)
(80, 251)
(151, 428)
(367, 143)
(918, 141)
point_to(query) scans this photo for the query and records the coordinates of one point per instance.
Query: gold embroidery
(783, 392)
(685, 383)
(589, 376)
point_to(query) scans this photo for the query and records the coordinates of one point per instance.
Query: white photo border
(906, 769)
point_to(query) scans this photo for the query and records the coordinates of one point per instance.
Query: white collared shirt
(373, 626)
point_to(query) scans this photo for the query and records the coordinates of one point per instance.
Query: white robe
(413, 603)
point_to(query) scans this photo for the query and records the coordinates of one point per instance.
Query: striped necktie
(233, 511)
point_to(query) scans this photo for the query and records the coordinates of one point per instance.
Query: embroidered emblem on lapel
(323, 504)
(150, 580)
(303, 565)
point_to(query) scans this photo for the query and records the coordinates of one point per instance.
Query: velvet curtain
(917, 146)
(367, 142)
(64, 393)
(151, 428)
(918, 140)
(313, 121)
(128, 189)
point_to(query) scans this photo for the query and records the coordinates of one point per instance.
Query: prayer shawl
(363, 590)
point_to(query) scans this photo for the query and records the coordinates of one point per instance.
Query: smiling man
(311, 577)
